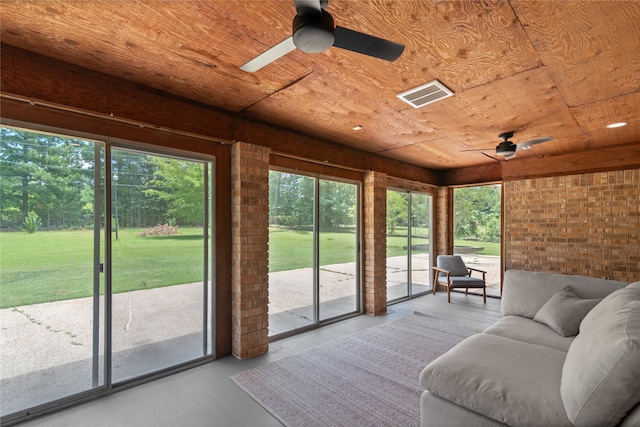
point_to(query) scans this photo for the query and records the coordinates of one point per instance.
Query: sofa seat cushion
(564, 311)
(601, 375)
(506, 380)
(526, 330)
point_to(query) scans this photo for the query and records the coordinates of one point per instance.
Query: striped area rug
(369, 378)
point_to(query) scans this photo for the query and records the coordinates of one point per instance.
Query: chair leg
(484, 294)
(449, 294)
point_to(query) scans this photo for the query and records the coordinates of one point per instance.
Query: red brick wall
(587, 224)
(375, 243)
(249, 249)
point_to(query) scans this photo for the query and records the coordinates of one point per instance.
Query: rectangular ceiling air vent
(425, 94)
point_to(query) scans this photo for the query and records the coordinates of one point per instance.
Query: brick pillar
(375, 243)
(444, 222)
(249, 249)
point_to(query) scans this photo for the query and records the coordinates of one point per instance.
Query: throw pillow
(564, 311)
(600, 380)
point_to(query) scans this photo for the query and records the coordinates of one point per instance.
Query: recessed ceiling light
(357, 127)
(616, 125)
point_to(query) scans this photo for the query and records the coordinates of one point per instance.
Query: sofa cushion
(525, 292)
(493, 376)
(526, 330)
(564, 312)
(601, 375)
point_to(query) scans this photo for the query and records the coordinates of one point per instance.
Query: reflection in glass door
(408, 244)
(160, 269)
(313, 251)
(51, 308)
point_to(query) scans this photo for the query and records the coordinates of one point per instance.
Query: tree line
(53, 177)
(292, 202)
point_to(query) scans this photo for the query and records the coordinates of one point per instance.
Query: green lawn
(57, 265)
(291, 249)
(489, 248)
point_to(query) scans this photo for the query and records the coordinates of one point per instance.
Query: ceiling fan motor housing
(505, 148)
(313, 33)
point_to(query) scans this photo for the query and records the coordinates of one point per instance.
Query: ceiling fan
(508, 149)
(314, 32)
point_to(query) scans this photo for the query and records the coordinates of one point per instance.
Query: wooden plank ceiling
(537, 68)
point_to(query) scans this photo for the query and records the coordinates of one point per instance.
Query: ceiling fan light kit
(506, 148)
(313, 33)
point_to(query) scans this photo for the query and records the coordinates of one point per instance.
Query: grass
(488, 248)
(291, 249)
(57, 265)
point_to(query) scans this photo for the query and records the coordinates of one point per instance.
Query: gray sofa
(531, 369)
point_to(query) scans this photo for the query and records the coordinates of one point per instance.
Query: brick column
(375, 243)
(444, 232)
(249, 249)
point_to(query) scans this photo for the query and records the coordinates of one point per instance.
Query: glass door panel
(477, 230)
(160, 269)
(338, 249)
(397, 245)
(313, 251)
(51, 309)
(291, 243)
(420, 243)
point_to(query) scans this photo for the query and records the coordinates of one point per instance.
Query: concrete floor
(205, 396)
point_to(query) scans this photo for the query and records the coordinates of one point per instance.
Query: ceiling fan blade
(305, 7)
(270, 55)
(478, 149)
(368, 45)
(527, 144)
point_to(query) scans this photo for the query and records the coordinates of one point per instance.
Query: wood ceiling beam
(600, 159)
(29, 76)
(54, 84)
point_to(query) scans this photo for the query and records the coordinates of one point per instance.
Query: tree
(338, 203)
(477, 213)
(397, 210)
(291, 199)
(44, 174)
(181, 185)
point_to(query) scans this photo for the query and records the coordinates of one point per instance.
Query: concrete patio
(46, 349)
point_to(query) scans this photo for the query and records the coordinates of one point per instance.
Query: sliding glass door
(313, 251)
(90, 301)
(408, 244)
(159, 266)
(338, 265)
(51, 300)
